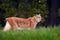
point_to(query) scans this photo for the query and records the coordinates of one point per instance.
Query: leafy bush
(24, 7)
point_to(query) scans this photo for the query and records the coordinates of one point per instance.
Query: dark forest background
(49, 10)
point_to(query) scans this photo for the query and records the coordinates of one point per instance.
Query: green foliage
(29, 7)
(10, 12)
(35, 34)
(8, 7)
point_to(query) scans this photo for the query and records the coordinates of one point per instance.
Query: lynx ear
(39, 14)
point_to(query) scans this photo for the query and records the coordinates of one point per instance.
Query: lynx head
(38, 18)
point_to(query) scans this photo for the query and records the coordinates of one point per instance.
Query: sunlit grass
(35, 34)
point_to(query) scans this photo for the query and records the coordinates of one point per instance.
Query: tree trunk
(53, 6)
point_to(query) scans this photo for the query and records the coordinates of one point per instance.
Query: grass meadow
(42, 33)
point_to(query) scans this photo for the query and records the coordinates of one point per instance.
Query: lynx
(15, 23)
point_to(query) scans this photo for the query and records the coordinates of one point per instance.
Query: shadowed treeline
(27, 8)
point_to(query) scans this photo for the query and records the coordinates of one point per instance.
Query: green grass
(35, 34)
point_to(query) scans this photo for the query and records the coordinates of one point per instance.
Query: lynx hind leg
(7, 26)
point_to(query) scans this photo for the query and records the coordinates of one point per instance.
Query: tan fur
(16, 22)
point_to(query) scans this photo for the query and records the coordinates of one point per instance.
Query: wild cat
(15, 23)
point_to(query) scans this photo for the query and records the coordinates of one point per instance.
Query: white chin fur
(7, 26)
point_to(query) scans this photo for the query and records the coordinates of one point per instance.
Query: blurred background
(49, 10)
